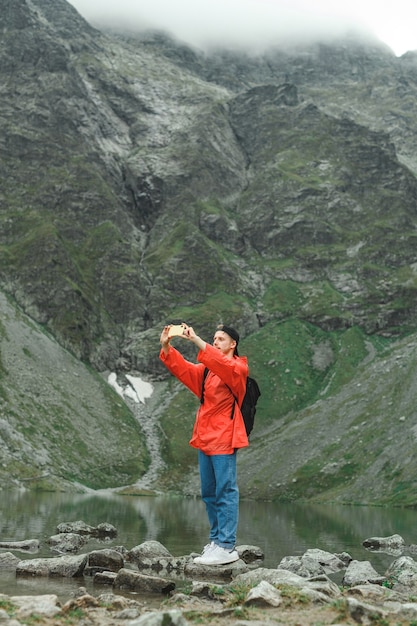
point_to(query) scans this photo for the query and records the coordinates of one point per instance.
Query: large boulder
(65, 566)
(136, 581)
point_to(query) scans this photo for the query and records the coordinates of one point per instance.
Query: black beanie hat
(232, 333)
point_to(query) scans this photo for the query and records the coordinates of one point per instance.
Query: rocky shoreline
(148, 586)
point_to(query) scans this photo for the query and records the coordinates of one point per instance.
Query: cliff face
(144, 182)
(128, 168)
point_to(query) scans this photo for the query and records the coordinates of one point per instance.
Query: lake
(180, 524)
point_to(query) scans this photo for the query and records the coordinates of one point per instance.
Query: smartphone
(176, 330)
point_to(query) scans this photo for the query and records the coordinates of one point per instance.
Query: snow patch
(112, 380)
(142, 388)
(137, 390)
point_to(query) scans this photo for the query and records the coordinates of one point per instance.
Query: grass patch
(221, 307)
(312, 478)
(281, 358)
(284, 297)
(8, 606)
(74, 616)
(292, 596)
(170, 246)
(296, 362)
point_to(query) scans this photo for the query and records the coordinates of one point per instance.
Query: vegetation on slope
(61, 424)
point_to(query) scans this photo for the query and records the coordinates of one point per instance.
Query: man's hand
(164, 338)
(190, 334)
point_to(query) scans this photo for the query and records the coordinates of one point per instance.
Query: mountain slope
(57, 416)
(355, 446)
(144, 182)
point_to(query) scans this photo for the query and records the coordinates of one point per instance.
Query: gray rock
(159, 564)
(314, 595)
(312, 563)
(360, 572)
(344, 557)
(117, 602)
(104, 578)
(148, 550)
(161, 618)
(8, 561)
(190, 599)
(392, 545)
(152, 555)
(215, 572)
(406, 610)
(28, 545)
(329, 562)
(104, 529)
(273, 576)
(67, 542)
(128, 614)
(295, 564)
(204, 589)
(372, 592)
(264, 594)
(104, 560)
(319, 588)
(249, 553)
(65, 566)
(325, 588)
(135, 581)
(403, 573)
(364, 613)
(46, 605)
(81, 528)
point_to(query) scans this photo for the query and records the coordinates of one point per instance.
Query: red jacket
(214, 431)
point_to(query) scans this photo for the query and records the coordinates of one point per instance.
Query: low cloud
(252, 24)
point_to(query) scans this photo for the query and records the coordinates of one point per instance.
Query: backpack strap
(233, 407)
(206, 371)
(235, 399)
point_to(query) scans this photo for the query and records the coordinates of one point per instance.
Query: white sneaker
(217, 556)
(207, 548)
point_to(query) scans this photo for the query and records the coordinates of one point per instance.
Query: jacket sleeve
(233, 372)
(190, 374)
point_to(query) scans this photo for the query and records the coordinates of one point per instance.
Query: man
(219, 430)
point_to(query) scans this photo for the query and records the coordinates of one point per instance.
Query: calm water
(180, 524)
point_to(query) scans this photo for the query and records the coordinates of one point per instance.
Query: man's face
(223, 342)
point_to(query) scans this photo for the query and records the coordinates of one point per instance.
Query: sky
(254, 23)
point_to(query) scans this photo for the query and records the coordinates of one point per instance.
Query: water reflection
(181, 525)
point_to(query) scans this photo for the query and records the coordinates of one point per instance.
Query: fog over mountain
(257, 23)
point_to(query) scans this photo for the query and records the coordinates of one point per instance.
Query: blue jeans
(220, 494)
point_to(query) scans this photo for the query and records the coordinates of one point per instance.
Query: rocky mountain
(143, 182)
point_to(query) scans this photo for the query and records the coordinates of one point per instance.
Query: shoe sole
(201, 561)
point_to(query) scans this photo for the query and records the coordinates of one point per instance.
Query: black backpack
(248, 407)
